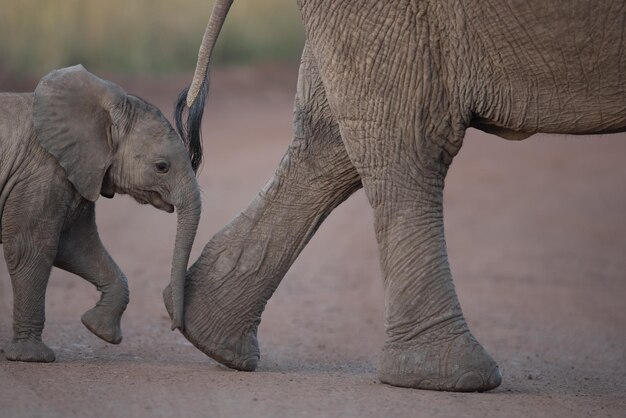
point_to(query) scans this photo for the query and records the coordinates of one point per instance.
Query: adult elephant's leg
(429, 345)
(403, 110)
(241, 266)
(81, 252)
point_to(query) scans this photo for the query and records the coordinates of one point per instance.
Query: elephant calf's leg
(29, 255)
(81, 252)
(29, 279)
(241, 266)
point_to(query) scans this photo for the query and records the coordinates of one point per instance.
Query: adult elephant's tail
(190, 103)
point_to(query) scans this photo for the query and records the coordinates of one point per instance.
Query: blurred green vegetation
(153, 37)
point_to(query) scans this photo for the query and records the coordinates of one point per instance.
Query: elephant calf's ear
(72, 118)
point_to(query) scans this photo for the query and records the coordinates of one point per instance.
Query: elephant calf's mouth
(146, 197)
(158, 202)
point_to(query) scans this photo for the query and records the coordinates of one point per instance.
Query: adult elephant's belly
(492, 127)
(547, 66)
(521, 109)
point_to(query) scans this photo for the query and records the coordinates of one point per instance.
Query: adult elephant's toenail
(469, 382)
(495, 378)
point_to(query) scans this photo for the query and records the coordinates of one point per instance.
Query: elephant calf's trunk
(187, 203)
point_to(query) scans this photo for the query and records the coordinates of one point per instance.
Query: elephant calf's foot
(103, 324)
(239, 350)
(451, 362)
(29, 349)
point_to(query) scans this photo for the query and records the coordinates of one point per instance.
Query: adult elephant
(385, 93)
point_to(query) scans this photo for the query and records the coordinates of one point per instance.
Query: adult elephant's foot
(104, 324)
(448, 359)
(225, 342)
(28, 349)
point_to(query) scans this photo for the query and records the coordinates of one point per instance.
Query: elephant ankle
(443, 356)
(114, 297)
(437, 328)
(22, 332)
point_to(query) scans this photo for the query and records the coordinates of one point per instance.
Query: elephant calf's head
(111, 142)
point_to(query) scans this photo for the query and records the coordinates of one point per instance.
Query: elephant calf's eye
(162, 167)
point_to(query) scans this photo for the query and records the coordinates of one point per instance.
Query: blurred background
(140, 37)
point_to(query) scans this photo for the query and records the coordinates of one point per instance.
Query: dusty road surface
(537, 240)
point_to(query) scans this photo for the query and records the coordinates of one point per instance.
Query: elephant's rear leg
(429, 345)
(29, 278)
(242, 265)
(30, 245)
(81, 252)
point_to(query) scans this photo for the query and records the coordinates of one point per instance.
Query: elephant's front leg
(81, 252)
(242, 265)
(429, 345)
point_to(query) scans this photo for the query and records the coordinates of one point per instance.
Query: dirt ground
(537, 240)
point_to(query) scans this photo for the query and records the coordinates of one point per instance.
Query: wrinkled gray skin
(75, 138)
(385, 93)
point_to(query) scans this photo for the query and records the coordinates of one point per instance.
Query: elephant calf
(75, 138)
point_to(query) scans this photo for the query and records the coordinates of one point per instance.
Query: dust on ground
(536, 232)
